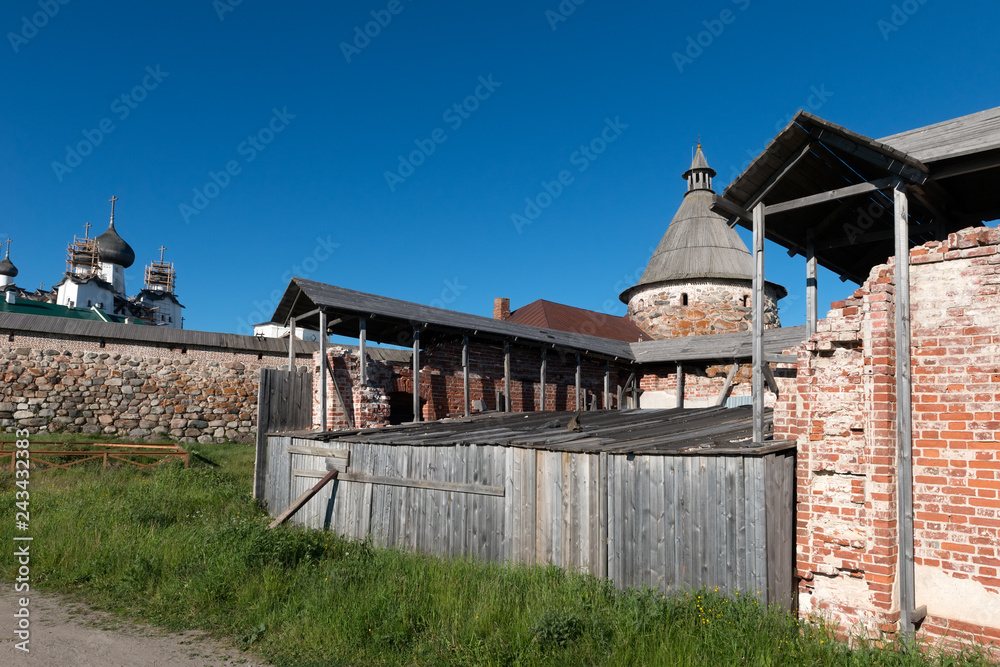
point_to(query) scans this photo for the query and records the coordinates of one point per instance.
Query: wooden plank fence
(642, 520)
(284, 403)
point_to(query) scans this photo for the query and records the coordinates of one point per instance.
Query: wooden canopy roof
(703, 431)
(947, 168)
(392, 321)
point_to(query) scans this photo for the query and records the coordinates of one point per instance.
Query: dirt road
(68, 634)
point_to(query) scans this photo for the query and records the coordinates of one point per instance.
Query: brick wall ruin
(842, 413)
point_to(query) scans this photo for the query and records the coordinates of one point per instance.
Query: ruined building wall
(441, 382)
(843, 414)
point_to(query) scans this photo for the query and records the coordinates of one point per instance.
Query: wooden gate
(284, 403)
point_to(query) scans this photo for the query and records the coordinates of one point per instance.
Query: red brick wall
(441, 381)
(843, 414)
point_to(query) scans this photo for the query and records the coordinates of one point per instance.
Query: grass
(188, 548)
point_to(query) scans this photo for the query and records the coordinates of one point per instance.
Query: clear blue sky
(315, 200)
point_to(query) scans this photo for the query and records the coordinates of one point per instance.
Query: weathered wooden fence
(284, 403)
(657, 520)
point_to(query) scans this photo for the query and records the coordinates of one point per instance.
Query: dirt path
(65, 633)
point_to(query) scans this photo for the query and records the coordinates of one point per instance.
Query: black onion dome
(7, 268)
(113, 249)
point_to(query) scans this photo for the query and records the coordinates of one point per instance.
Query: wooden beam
(545, 354)
(680, 385)
(363, 351)
(898, 167)
(769, 380)
(578, 382)
(812, 310)
(416, 375)
(303, 499)
(607, 383)
(506, 376)
(324, 424)
(757, 389)
(291, 345)
(781, 358)
(466, 406)
(904, 409)
(830, 195)
(454, 487)
(727, 208)
(721, 398)
(778, 175)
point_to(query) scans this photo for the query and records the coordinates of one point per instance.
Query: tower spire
(700, 175)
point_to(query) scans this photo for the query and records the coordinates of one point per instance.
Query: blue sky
(253, 144)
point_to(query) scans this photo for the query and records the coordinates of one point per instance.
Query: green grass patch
(188, 548)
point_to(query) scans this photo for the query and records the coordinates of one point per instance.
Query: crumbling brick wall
(843, 414)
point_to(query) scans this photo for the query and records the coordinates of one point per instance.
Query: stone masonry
(843, 413)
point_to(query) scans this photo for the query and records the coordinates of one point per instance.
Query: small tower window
(684, 299)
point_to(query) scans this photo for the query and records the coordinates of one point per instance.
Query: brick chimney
(501, 309)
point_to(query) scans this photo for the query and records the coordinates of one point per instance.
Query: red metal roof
(558, 316)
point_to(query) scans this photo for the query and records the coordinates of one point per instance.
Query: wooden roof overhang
(825, 185)
(393, 321)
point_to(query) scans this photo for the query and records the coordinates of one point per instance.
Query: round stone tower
(700, 278)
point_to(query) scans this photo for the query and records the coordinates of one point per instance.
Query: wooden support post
(291, 345)
(416, 375)
(542, 390)
(323, 423)
(363, 351)
(607, 384)
(634, 381)
(812, 303)
(578, 382)
(904, 424)
(506, 376)
(758, 323)
(680, 385)
(302, 500)
(467, 410)
(721, 398)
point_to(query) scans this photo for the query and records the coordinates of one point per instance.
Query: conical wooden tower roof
(698, 243)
